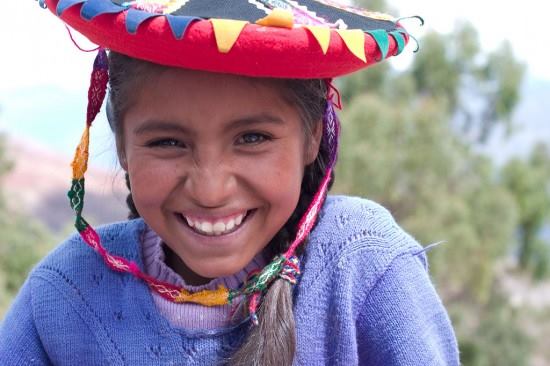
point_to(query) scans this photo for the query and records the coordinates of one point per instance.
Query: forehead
(170, 84)
(197, 96)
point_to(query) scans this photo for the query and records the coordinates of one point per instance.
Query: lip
(226, 238)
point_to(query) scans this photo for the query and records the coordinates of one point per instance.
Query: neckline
(154, 259)
(138, 227)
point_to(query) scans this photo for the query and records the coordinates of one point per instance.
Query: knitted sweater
(364, 297)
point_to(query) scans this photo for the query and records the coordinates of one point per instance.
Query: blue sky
(43, 77)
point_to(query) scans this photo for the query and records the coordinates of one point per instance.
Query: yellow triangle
(355, 41)
(321, 34)
(278, 18)
(227, 32)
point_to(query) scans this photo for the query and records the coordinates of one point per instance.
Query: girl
(233, 253)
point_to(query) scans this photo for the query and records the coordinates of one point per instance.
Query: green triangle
(400, 39)
(381, 38)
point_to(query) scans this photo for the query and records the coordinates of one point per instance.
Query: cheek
(151, 183)
(278, 181)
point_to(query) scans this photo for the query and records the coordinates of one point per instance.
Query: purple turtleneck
(187, 315)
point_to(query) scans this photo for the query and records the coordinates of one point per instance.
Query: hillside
(40, 178)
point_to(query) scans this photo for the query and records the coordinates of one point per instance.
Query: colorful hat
(309, 39)
(269, 38)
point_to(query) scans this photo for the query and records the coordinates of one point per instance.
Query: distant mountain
(40, 179)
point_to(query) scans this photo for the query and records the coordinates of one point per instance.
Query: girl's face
(215, 164)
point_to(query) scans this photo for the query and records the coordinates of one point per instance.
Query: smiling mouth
(218, 228)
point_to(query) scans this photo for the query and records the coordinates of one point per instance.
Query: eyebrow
(253, 120)
(161, 126)
(173, 127)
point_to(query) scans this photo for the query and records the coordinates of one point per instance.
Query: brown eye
(167, 142)
(252, 139)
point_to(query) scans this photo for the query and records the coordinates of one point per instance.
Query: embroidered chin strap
(285, 266)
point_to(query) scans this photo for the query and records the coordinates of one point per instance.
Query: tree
(481, 90)
(529, 182)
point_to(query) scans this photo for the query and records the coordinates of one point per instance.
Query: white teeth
(239, 219)
(206, 227)
(218, 228)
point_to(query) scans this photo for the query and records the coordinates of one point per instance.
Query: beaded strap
(285, 266)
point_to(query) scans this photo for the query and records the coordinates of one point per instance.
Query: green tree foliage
(529, 182)
(499, 325)
(501, 77)
(406, 157)
(436, 71)
(453, 68)
(5, 166)
(22, 243)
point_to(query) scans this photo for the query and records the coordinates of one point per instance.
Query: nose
(210, 182)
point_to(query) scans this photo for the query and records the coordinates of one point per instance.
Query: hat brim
(258, 51)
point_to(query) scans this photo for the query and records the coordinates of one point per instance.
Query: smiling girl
(233, 252)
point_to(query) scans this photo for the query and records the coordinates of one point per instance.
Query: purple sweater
(364, 297)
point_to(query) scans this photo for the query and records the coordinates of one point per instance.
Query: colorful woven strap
(285, 266)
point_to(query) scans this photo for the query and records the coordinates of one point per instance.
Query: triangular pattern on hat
(355, 42)
(382, 40)
(93, 8)
(179, 24)
(400, 39)
(227, 32)
(135, 17)
(63, 5)
(321, 34)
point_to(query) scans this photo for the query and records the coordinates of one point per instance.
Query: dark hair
(273, 341)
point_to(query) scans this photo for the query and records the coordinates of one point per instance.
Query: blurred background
(454, 140)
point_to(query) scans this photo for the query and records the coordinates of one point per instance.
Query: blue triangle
(63, 5)
(179, 24)
(135, 17)
(381, 38)
(93, 8)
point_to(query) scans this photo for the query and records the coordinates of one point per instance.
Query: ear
(312, 150)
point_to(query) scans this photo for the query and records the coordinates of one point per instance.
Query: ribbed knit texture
(364, 298)
(187, 315)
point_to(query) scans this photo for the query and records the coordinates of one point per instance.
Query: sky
(496, 21)
(43, 77)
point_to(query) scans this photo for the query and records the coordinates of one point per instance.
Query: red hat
(266, 38)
